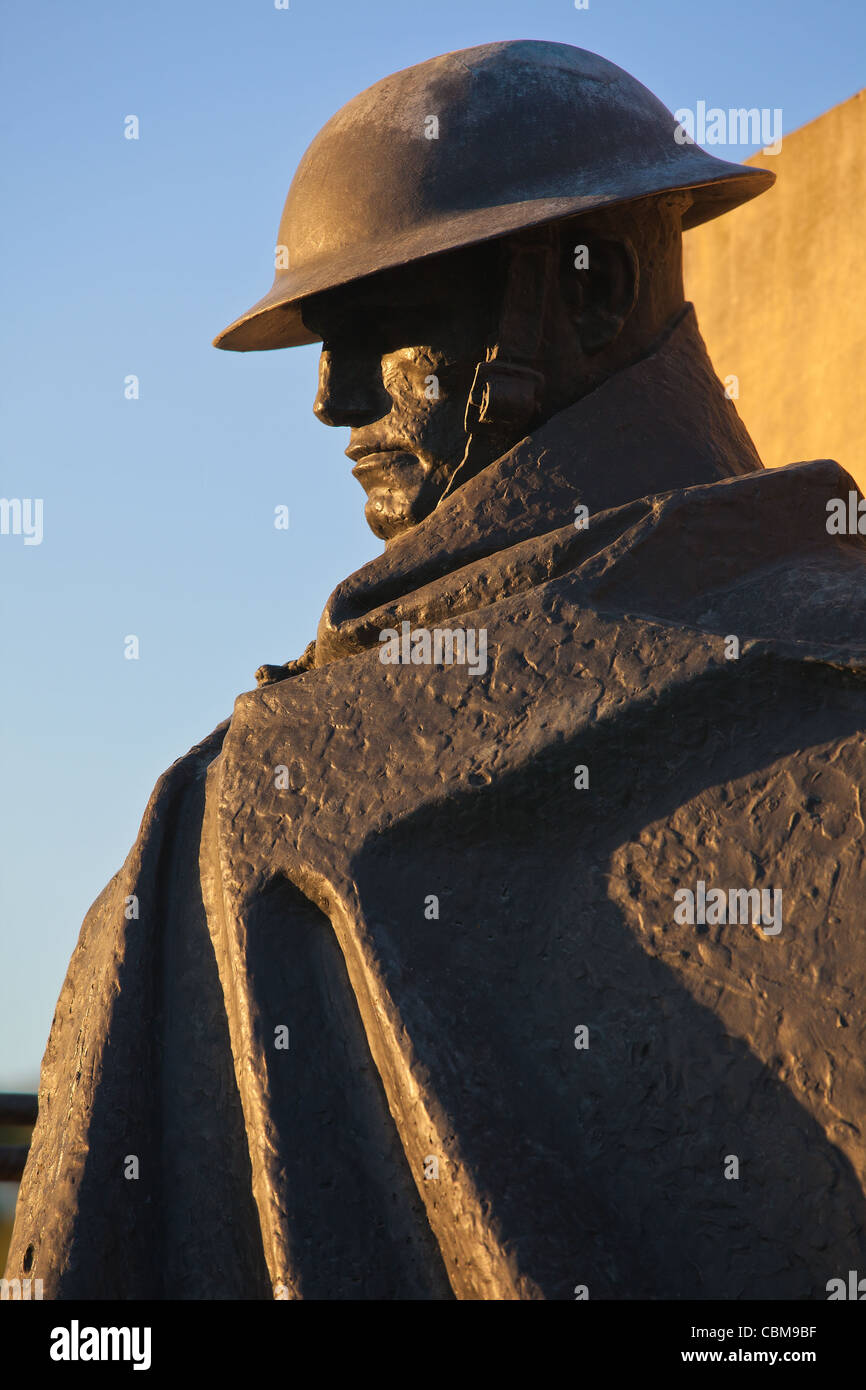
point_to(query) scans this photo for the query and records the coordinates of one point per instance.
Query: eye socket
(386, 330)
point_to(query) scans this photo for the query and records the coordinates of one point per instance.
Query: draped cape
(391, 999)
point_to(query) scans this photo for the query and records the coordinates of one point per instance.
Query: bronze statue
(506, 943)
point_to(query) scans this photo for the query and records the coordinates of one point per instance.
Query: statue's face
(399, 352)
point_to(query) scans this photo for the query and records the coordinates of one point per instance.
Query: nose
(350, 391)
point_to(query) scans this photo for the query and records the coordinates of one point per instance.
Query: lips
(389, 469)
(358, 451)
(372, 463)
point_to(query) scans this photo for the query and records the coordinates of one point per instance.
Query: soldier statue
(506, 944)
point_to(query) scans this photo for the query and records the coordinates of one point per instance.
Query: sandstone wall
(780, 291)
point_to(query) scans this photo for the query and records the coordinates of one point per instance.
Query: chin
(389, 513)
(392, 509)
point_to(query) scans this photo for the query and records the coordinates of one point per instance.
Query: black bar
(198, 1338)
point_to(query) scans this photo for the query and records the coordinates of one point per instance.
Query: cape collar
(663, 423)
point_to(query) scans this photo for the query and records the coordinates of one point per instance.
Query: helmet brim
(276, 320)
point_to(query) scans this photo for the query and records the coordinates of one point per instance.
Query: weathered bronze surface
(410, 1007)
(525, 132)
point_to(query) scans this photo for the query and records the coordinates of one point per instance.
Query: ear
(600, 281)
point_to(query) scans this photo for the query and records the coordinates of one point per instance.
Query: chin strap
(506, 391)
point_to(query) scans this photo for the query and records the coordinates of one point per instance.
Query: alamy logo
(75, 1343)
(740, 906)
(847, 517)
(22, 516)
(444, 646)
(855, 1289)
(737, 126)
(20, 1289)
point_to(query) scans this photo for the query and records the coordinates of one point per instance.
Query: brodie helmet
(468, 147)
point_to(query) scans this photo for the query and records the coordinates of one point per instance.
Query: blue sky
(124, 257)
